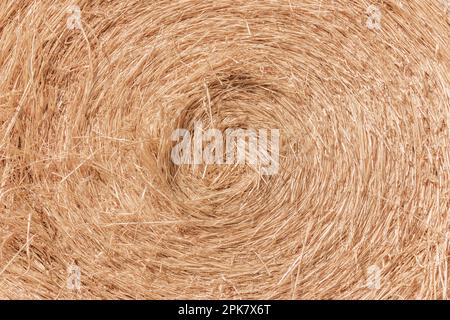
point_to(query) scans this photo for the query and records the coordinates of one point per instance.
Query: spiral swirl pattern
(359, 91)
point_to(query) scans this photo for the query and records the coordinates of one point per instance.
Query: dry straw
(91, 205)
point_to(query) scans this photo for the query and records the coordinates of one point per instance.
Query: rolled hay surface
(92, 205)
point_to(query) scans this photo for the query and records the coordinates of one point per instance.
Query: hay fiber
(93, 207)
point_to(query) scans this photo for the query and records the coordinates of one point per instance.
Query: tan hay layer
(86, 177)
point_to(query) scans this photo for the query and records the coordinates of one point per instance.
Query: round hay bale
(92, 204)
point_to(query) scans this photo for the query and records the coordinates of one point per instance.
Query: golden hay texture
(358, 89)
